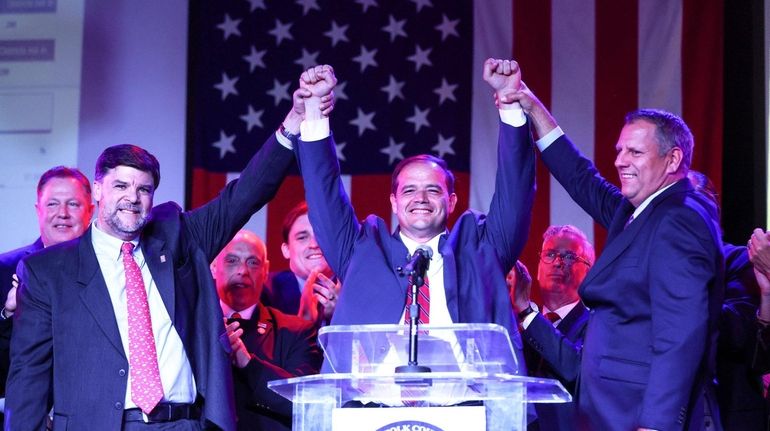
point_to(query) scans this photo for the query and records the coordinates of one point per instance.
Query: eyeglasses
(568, 258)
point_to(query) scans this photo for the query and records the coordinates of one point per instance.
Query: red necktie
(146, 388)
(423, 302)
(553, 317)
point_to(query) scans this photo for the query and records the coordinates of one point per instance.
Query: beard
(118, 225)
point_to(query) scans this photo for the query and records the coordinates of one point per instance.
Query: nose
(620, 160)
(422, 196)
(63, 212)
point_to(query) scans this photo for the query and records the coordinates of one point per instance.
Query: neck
(554, 303)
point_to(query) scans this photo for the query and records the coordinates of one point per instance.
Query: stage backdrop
(410, 82)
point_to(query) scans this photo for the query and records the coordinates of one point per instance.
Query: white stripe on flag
(660, 59)
(573, 74)
(492, 37)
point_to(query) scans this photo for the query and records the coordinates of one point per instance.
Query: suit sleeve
(329, 209)
(562, 354)
(506, 226)
(215, 223)
(682, 267)
(300, 355)
(29, 381)
(582, 180)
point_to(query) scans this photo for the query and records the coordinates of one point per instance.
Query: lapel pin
(261, 328)
(162, 258)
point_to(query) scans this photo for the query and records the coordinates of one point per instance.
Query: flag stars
(227, 86)
(419, 4)
(224, 144)
(281, 32)
(448, 27)
(393, 151)
(230, 27)
(366, 58)
(255, 58)
(308, 5)
(444, 146)
(395, 28)
(307, 59)
(420, 58)
(339, 91)
(256, 4)
(337, 33)
(340, 148)
(446, 91)
(363, 122)
(419, 119)
(253, 118)
(279, 91)
(366, 4)
(393, 89)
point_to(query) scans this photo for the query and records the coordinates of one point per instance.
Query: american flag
(410, 82)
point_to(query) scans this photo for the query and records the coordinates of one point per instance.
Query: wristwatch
(526, 312)
(287, 134)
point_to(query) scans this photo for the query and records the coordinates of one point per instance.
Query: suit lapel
(94, 295)
(398, 256)
(450, 276)
(161, 267)
(263, 339)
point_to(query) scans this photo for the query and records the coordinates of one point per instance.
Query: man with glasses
(655, 293)
(554, 336)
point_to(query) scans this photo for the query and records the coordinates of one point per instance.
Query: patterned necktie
(146, 388)
(423, 302)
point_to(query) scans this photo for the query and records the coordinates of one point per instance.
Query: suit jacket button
(118, 406)
(122, 372)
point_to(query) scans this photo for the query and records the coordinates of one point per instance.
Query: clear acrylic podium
(473, 369)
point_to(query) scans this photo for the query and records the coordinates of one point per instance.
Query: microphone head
(427, 251)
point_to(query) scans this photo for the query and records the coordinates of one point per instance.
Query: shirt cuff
(513, 117)
(314, 130)
(531, 316)
(549, 139)
(283, 140)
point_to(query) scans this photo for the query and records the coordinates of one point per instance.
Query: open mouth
(314, 256)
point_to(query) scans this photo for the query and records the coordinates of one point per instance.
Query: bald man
(266, 344)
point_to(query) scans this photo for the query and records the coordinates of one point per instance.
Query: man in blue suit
(656, 291)
(77, 343)
(467, 271)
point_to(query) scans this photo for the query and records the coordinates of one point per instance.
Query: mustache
(128, 206)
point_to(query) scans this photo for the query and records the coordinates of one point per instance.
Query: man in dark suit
(656, 291)
(104, 364)
(553, 338)
(309, 288)
(64, 209)
(467, 271)
(266, 344)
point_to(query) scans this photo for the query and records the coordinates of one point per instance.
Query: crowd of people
(151, 317)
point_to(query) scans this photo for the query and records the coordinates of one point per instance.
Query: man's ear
(285, 250)
(452, 203)
(675, 161)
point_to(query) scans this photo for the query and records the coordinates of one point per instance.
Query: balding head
(240, 270)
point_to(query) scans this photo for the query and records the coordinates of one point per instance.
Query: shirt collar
(649, 199)
(107, 244)
(245, 313)
(562, 311)
(411, 245)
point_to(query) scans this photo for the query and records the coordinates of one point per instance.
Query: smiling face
(64, 210)
(124, 196)
(642, 170)
(303, 251)
(421, 201)
(240, 271)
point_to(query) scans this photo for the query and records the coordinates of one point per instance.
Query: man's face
(560, 279)
(240, 271)
(641, 169)
(422, 202)
(124, 196)
(63, 210)
(302, 250)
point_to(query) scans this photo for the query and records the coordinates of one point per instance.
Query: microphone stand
(416, 280)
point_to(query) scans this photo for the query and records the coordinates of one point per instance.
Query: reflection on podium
(474, 383)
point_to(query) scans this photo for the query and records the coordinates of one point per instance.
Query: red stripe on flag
(532, 49)
(462, 189)
(205, 186)
(370, 194)
(702, 78)
(617, 46)
(289, 195)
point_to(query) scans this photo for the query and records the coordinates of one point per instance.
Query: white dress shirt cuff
(531, 316)
(314, 130)
(549, 138)
(513, 117)
(283, 140)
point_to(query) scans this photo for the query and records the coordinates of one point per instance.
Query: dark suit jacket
(554, 352)
(655, 295)
(286, 349)
(741, 401)
(66, 347)
(283, 292)
(477, 252)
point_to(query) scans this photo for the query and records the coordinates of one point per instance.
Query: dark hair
(127, 155)
(670, 131)
(299, 210)
(63, 172)
(703, 185)
(427, 159)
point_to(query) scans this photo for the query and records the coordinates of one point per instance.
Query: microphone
(419, 262)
